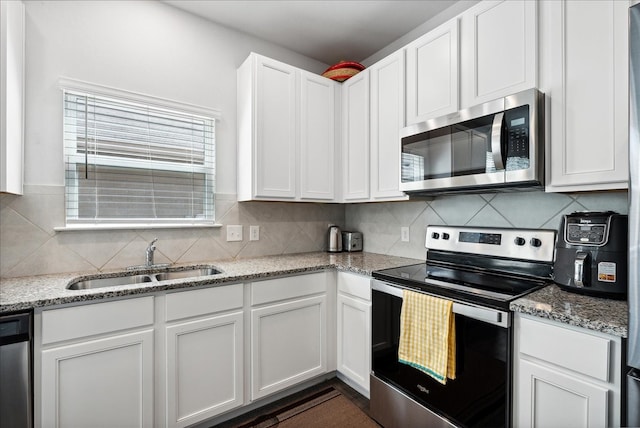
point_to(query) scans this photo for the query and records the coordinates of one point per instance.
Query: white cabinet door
(267, 129)
(100, 383)
(498, 50)
(354, 340)
(288, 344)
(355, 137)
(12, 25)
(550, 399)
(354, 330)
(387, 118)
(432, 74)
(585, 77)
(204, 368)
(276, 120)
(317, 137)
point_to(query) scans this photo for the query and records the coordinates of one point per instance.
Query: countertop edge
(591, 313)
(25, 293)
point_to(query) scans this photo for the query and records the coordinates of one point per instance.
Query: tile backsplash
(30, 246)
(380, 223)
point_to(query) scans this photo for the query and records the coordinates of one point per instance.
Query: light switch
(254, 233)
(404, 234)
(234, 232)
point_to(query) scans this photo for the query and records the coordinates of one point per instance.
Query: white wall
(141, 46)
(155, 49)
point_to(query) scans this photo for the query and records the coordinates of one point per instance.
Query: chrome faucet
(149, 252)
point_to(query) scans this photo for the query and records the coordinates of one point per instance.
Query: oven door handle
(492, 316)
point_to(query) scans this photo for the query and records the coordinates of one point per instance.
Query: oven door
(480, 394)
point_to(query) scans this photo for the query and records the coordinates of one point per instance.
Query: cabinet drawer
(273, 290)
(355, 285)
(203, 301)
(580, 352)
(88, 320)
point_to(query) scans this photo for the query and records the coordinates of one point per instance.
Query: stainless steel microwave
(493, 146)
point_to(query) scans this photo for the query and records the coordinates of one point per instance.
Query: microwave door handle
(496, 143)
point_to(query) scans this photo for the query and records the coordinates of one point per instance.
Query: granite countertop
(603, 315)
(49, 290)
(593, 313)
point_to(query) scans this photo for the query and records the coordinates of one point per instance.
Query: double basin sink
(133, 277)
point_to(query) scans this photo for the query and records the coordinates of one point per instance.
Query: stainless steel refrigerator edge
(633, 350)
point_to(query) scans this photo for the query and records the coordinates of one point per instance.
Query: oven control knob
(535, 242)
(520, 241)
(435, 235)
(445, 236)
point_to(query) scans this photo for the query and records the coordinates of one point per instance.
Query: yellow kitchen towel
(428, 335)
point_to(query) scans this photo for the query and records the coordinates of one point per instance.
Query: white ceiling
(325, 30)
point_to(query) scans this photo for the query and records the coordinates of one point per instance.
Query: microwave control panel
(517, 124)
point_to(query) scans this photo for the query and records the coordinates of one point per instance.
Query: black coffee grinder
(591, 254)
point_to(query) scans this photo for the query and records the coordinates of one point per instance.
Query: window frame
(137, 99)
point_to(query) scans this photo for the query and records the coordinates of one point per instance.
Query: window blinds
(136, 163)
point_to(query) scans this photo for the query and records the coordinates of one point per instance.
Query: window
(130, 163)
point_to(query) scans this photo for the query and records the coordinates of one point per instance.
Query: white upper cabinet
(266, 129)
(584, 73)
(355, 137)
(12, 99)
(317, 137)
(286, 134)
(386, 119)
(432, 74)
(498, 50)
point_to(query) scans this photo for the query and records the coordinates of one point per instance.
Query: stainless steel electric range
(481, 270)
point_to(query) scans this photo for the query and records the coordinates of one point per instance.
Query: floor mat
(326, 408)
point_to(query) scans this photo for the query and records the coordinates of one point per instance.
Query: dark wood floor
(355, 397)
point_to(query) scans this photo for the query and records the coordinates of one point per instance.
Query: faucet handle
(152, 244)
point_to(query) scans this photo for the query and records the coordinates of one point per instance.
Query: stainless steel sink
(86, 283)
(191, 273)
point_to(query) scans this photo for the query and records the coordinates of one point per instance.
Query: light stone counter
(48, 290)
(604, 315)
(593, 313)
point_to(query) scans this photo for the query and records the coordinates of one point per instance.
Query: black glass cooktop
(474, 286)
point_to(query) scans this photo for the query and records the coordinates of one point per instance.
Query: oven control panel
(525, 244)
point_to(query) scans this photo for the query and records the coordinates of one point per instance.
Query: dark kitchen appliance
(591, 254)
(492, 146)
(633, 298)
(16, 386)
(481, 270)
(352, 241)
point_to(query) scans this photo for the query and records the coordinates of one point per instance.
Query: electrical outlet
(404, 234)
(254, 233)
(234, 233)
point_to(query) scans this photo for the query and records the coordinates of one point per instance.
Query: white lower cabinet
(180, 358)
(354, 330)
(565, 376)
(92, 373)
(550, 398)
(288, 332)
(204, 356)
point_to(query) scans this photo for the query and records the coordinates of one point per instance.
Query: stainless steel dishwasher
(16, 387)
